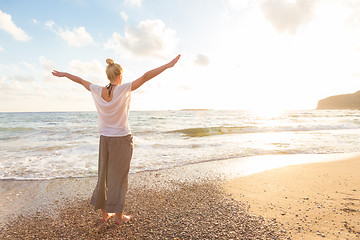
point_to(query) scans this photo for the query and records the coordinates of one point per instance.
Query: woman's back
(105, 94)
(112, 110)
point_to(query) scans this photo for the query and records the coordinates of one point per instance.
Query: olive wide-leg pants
(114, 163)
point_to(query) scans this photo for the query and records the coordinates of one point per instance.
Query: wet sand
(311, 201)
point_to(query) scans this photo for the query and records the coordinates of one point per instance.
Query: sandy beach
(185, 202)
(199, 201)
(311, 201)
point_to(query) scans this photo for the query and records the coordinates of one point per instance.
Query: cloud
(10, 88)
(353, 10)
(18, 82)
(50, 24)
(78, 37)
(236, 4)
(288, 16)
(1, 49)
(21, 92)
(148, 38)
(136, 3)
(87, 68)
(22, 71)
(8, 26)
(202, 60)
(46, 64)
(20, 78)
(93, 71)
(47, 67)
(37, 87)
(124, 16)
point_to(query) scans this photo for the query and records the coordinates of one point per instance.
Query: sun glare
(268, 111)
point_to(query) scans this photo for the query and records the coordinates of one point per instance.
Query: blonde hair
(113, 70)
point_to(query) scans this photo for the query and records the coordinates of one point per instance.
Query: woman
(116, 147)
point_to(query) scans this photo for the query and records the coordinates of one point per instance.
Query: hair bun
(109, 61)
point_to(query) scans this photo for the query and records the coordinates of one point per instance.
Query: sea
(48, 145)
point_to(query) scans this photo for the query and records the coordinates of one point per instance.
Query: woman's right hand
(74, 78)
(58, 74)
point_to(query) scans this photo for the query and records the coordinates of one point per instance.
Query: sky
(236, 54)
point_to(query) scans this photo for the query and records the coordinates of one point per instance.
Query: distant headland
(343, 101)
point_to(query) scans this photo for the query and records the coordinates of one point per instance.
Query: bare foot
(106, 216)
(121, 218)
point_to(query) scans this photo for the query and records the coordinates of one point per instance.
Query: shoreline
(231, 167)
(29, 199)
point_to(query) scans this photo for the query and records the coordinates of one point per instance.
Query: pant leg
(99, 196)
(120, 153)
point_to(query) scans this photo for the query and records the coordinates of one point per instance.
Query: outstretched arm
(74, 78)
(153, 73)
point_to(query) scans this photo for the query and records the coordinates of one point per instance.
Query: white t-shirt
(113, 115)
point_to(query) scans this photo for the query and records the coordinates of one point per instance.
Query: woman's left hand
(174, 61)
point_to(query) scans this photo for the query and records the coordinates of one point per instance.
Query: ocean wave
(209, 131)
(47, 149)
(212, 131)
(30, 178)
(9, 138)
(15, 129)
